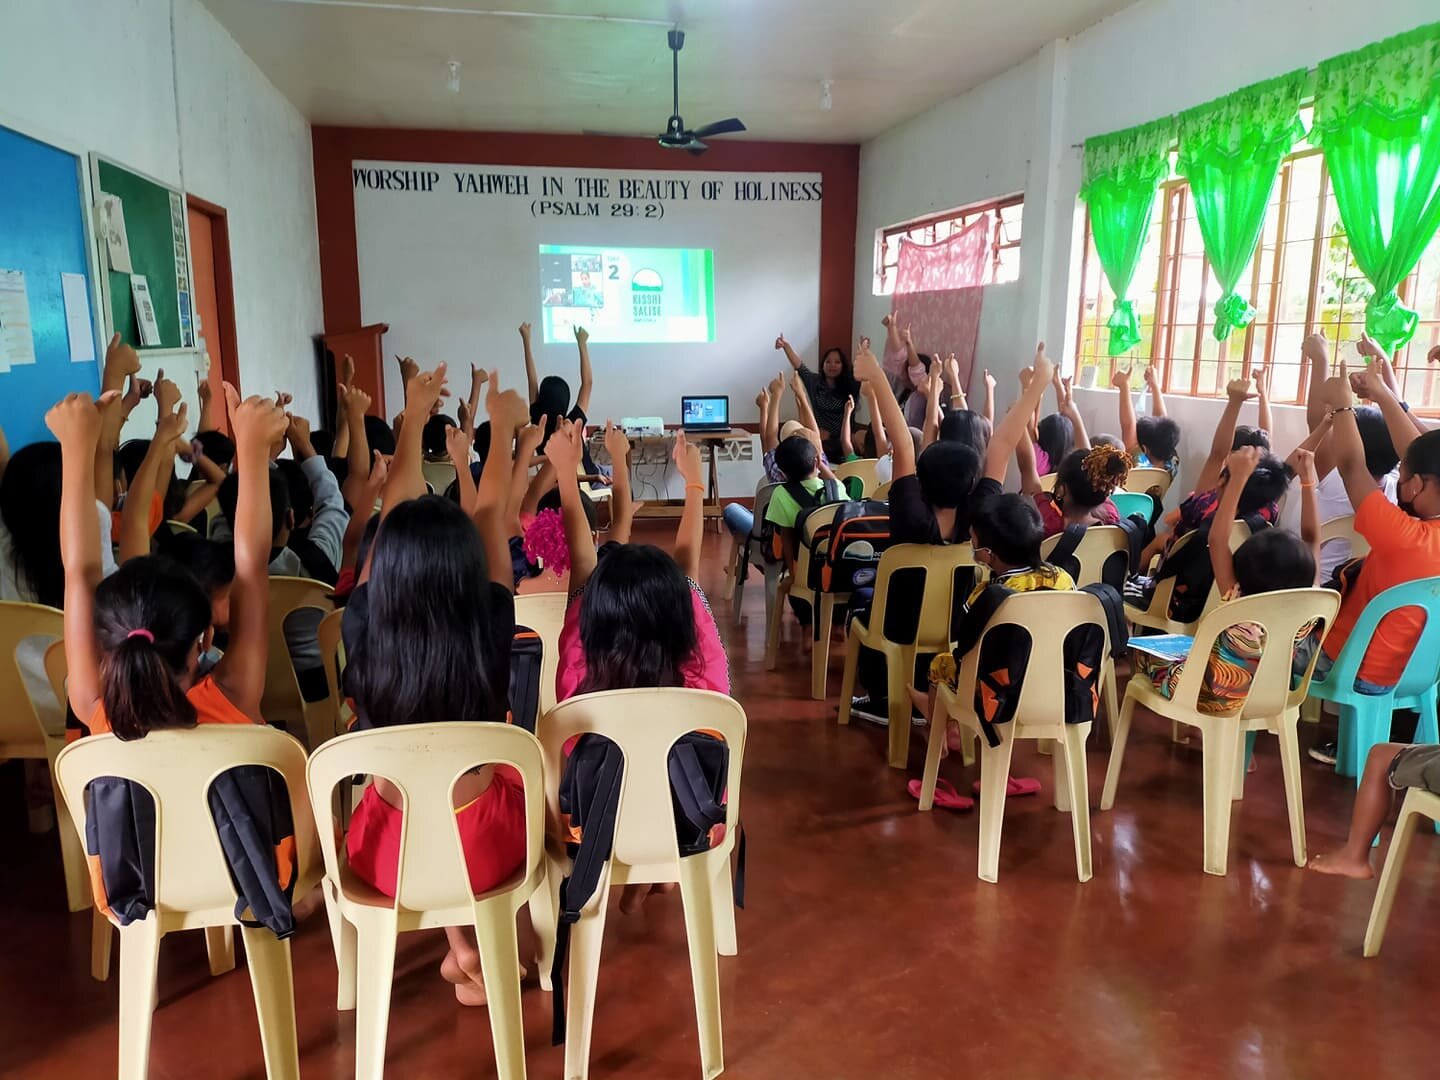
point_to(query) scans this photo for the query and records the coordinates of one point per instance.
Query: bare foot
(471, 994)
(634, 896)
(1341, 865)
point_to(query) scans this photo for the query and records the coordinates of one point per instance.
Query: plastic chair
(1133, 502)
(22, 735)
(1418, 803)
(1273, 705)
(1048, 617)
(645, 724)
(282, 703)
(883, 491)
(939, 566)
(432, 885)
(180, 526)
(797, 584)
(1157, 615)
(1098, 546)
(1143, 479)
(1365, 718)
(1343, 528)
(1047, 482)
(193, 886)
(212, 508)
(754, 545)
(864, 470)
(545, 614)
(439, 475)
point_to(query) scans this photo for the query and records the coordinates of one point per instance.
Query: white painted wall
(1022, 131)
(188, 108)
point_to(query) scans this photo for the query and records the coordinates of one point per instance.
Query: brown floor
(868, 947)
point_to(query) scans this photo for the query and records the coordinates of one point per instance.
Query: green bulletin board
(155, 227)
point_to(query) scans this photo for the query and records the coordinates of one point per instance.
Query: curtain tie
(1124, 327)
(1232, 312)
(1389, 321)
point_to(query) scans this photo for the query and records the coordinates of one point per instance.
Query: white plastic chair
(193, 886)
(645, 724)
(1096, 548)
(1143, 479)
(544, 613)
(1272, 705)
(1048, 617)
(1047, 482)
(1418, 804)
(282, 703)
(432, 885)
(1343, 528)
(864, 470)
(756, 547)
(797, 584)
(1157, 615)
(439, 475)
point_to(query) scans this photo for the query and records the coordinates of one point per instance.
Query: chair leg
(1220, 744)
(586, 938)
(704, 962)
(994, 776)
(220, 948)
(820, 652)
(1390, 877)
(723, 904)
(935, 740)
(737, 594)
(1428, 730)
(102, 932)
(496, 937)
(139, 954)
(543, 907)
(72, 852)
(343, 939)
(772, 629)
(847, 680)
(1078, 779)
(1289, 732)
(374, 972)
(1117, 753)
(898, 670)
(1242, 763)
(272, 980)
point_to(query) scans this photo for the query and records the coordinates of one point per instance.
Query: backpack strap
(1114, 605)
(1064, 554)
(832, 491)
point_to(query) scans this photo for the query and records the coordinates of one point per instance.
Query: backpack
(1117, 566)
(527, 655)
(852, 541)
(698, 766)
(1005, 655)
(1193, 574)
(251, 808)
(772, 543)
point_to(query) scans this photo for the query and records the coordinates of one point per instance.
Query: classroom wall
(160, 86)
(1022, 131)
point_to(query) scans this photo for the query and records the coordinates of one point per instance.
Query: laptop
(702, 414)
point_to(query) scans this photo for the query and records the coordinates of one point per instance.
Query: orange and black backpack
(852, 541)
(527, 654)
(772, 544)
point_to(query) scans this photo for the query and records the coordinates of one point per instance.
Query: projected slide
(627, 295)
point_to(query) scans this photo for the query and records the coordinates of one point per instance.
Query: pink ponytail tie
(146, 634)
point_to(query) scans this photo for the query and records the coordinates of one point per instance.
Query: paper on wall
(17, 339)
(117, 241)
(77, 318)
(144, 312)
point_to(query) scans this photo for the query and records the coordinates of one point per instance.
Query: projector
(638, 426)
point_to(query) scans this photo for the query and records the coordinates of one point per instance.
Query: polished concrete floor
(868, 947)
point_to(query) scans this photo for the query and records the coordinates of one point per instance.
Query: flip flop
(1016, 786)
(946, 797)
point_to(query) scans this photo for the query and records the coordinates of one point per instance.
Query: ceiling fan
(676, 136)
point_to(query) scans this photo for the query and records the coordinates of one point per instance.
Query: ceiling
(574, 65)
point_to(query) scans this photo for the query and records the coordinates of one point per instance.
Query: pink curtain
(938, 293)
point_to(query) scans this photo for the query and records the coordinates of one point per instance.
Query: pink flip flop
(1015, 787)
(946, 797)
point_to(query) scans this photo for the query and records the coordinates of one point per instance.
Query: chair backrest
(1422, 670)
(1143, 479)
(1133, 502)
(545, 614)
(645, 724)
(883, 491)
(821, 515)
(212, 508)
(1282, 615)
(1048, 616)
(763, 491)
(1047, 482)
(20, 730)
(282, 702)
(439, 475)
(177, 768)
(1343, 528)
(332, 651)
(864, 470)
(939, 564)
(180, 526)
(1096, 547)
(424, 762)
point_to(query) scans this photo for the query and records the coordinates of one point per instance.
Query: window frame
(883, 278)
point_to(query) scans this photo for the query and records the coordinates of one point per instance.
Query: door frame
(224, 285)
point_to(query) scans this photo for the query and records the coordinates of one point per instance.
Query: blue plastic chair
(1133, 502)
(1365, 718)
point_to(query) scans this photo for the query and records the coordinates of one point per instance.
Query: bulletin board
(159, 249)
(44, 234)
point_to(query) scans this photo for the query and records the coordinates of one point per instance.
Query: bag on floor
(527, 656)
(698, 766)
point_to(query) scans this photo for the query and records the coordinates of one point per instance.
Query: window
(1302, 279)
(1004, 239)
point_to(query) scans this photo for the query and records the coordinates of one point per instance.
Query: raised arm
(1315, 350)
(1349, 450)
(879, 442)
(869, 372)
(76, 422)
(135, 517)
(1379, 385)
(931, 430)
(207, 404)
(1025, 459)
(1238, 392)
(340, 446)
(508, 413)
(802, 403)
(951, 368)
(894, 342)
(354, 404)
(1302, 461)
(1263, 375)
(587, 378)
(784, 346)
(257, 424)
(362, 489)
(564, 450)
(407, 479)
(1077, 422)
(457, 445)
(1157, 396)
(478, 375)
(622, 506)
(1016, 423)
(1120, 380)
(526, 443)
(690, 533)
(847, 443)
(532, 380)
(770, 416)
(1241, 464)
(988, 409)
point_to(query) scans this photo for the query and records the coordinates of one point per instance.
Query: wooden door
(214, 298)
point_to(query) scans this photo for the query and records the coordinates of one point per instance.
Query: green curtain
(1230, 152)
(1122, 172)
(1377, 118)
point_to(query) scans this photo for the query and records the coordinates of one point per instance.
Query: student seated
(803, 490)
(1153, 441)
(1390, 768)
(1084, 482)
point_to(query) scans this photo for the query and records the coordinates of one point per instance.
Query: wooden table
(672, 508)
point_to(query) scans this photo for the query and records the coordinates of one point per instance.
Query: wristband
(1304, 485)
(695, 487)
(1343, 408)
(1405, 405)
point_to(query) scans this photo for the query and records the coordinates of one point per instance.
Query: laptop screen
(704, 411)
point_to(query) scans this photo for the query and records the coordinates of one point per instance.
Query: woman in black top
(829, 390)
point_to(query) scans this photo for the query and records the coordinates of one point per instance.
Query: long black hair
(637, 620)
(1056, 437)
(423, 656)
(30, 508)
(845, 382)
(149, 616)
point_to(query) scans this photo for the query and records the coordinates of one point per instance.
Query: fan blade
(720, 127)
(696, 147)
(610, 134)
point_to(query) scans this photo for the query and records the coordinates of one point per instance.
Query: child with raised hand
(133, 641)
(428, 634)
(1153, 441)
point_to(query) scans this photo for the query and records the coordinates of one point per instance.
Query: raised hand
(849, 412)
(1066, 394)
(139, 390)
(1302, 461)
(1433, 356)
(347, 370)
(478, 375)
(258, 423)
(297, 430)
(565, 447)
(617, 444)
(1152, 377)
(1369, 348)
(120, 359)
(1120, 378)
(687, 459)
(1335, 392)
(1044, 366)
(507, 409)
(1240, 389)
(1315, 349)
(202, 390)
(525, 331)
(1368, 383)
(379, 470)
(282, 399)
(467, 422)
(76, 419)
(908, 338)
(952, 372)
(867, 367)
(167, 394)
(457, 445)
(1241, 463)
(355, 400)
(887, 321)
(171, 426)
(777, 384)
(529, 438)
(408, 369)
(581, 335)
(422, 392)
(780, 342)
(989, 380)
